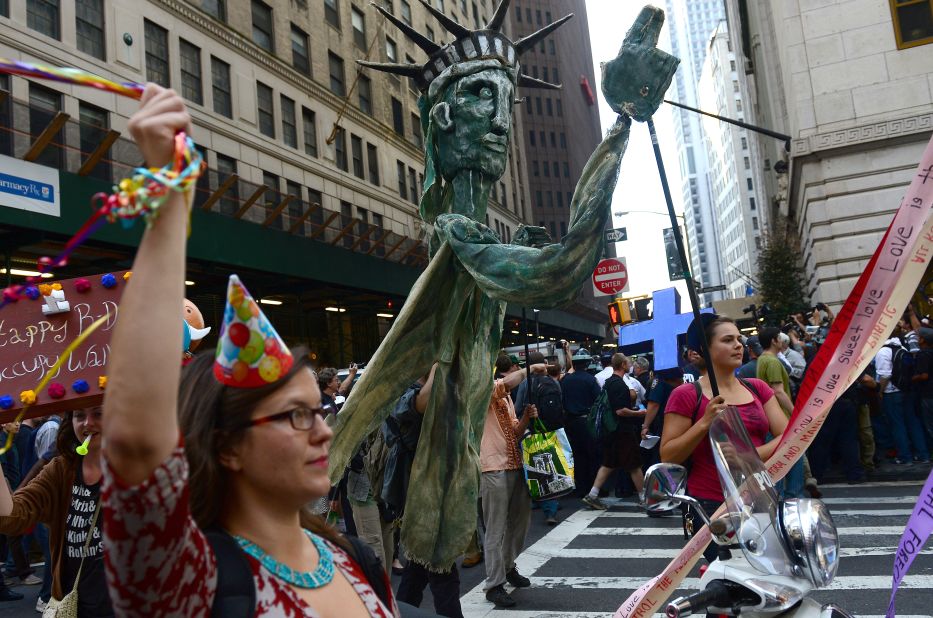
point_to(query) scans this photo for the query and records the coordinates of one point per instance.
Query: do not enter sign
(610, 277)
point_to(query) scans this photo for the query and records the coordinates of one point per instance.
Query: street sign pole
(679, 240)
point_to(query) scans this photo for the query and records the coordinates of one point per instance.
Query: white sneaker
(41, 605)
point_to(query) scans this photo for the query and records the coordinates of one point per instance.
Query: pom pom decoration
(28, 397)
(80, 386)
(108, 281)
(56, 287)
(10, 295)
(6, 402)
(127, 275)
(32, 292)
(45, 289)
(82, 286)
(56, 390)
(102, 382)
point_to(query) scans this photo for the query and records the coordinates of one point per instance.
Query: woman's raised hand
(162, 113)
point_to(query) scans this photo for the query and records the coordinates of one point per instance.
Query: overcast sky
(639, 187)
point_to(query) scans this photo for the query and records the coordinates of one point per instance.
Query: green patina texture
(454, 313)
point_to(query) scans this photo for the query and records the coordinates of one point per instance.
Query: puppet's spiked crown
(484, 44)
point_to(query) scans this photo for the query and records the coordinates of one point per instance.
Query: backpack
(236, 590)
(547, 398)
(601, 420)
(903, 366)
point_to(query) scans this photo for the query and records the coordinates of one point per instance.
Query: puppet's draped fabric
(453, 316)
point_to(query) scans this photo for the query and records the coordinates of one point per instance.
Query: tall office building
(691, 24)
(561, 127)
(315, 166)
(850, 83)
(735, 187)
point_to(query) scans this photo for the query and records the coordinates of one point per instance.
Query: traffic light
(619, 312)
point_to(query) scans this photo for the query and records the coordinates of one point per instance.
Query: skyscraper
(561, 127)
(691, 24)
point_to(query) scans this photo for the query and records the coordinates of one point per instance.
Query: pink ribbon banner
(865, 321)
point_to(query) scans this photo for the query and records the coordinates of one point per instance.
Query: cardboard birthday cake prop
(36, 330)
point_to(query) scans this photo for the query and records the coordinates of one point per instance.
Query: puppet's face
(192, 315)
(474, 121)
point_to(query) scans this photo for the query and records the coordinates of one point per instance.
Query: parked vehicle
(772, 552)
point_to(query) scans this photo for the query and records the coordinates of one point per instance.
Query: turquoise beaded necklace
(321, 576)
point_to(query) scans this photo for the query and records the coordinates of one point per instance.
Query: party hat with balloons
(250, 353)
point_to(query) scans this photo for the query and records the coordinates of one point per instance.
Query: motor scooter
(772, 552)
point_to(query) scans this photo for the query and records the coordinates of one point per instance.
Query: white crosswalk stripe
(595, 559)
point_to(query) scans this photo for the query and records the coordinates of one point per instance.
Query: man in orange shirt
(506, 502)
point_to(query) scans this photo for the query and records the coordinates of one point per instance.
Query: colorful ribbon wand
(137, 197)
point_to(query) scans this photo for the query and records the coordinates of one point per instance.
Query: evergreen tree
(781, 275)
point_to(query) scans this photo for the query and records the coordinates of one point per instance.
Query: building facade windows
(372, 160)
(271, 198)
(265, 108)
(913, 22)
(358, 21)
(229, 201)
(44, 104)
(412, 186)
(215, 8)
(406, 12)
(289, 122)
(89, 27)
(398, 118)
(340, 150)
(44, 16)
(356, 153)
(416, 131)
(337, 75)
(262, 26)
(190, 64)
(402, 183)
(220, 87)
(364, 89)
(301, 58)
(94, 123)
(309, 131)
(157, 70)
(332, 13)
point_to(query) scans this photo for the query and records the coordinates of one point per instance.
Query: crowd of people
(203, 489)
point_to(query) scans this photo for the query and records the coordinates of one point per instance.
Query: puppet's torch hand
(635, 81)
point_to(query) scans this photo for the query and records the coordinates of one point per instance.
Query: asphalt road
(589, 563)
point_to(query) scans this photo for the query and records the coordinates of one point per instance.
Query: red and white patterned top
(159, 563)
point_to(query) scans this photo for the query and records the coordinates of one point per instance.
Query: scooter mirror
(663, 483)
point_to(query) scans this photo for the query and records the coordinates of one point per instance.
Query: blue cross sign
(663, 330)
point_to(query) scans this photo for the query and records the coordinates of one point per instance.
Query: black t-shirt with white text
(93, 600)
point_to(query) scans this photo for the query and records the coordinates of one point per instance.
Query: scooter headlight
(809, 529)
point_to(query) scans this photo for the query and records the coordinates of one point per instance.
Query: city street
(589, 563)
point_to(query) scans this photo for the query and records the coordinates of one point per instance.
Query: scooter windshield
(749, 494)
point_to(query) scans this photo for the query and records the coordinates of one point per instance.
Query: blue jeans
(791, 486)
(901, 411)
(549, 507)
